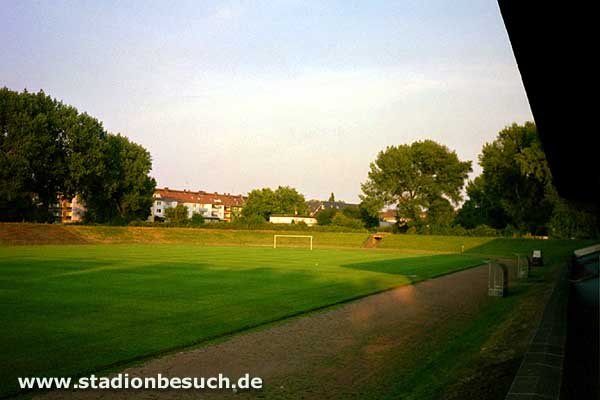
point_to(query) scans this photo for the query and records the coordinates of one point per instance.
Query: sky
(230, 96)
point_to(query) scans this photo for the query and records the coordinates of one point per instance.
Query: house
(291, 219)
(388, 217)
(212, 206)
(68, 210)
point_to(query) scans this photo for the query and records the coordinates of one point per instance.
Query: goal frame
(293, 236)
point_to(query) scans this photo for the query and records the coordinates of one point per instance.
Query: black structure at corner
(553, 43)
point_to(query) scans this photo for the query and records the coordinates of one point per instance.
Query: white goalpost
(292, 236)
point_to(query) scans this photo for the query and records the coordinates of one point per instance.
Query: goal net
(292, 240)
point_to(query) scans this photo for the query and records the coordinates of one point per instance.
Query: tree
(265, 202)
(290, 201)
(124, 190)
(90, 164)
(480, 208)
(177, 215)
(197, 219)
(49, 149)
(420, 179)
(351, 212)
(260, 202)
(369, 217)
(370, 208)
(340, 219)
(574, 221)
(515, 191)
(325, 216)
(440, 212)
(516, 180)
(32, 156)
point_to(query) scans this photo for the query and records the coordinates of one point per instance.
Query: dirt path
(344, 352)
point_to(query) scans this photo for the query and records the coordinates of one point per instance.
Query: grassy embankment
(30, 234)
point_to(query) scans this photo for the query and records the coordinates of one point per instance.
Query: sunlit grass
(69, 310)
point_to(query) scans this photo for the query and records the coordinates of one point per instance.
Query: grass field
(105, 296)
(73, 309)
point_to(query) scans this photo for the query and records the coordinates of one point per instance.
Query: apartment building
(212, 206)
(68, 210)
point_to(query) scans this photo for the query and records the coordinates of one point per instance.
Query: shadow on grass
(122, 314)
(17, 271)
(553, 250)
(420, 268)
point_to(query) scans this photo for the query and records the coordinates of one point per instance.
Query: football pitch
(73, 309)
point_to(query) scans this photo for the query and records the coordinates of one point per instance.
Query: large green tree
(515, 190)
(177, 215)
(423, 180)
(574, 220)
(324, 217)
(49, 149)
(124, 192)
(33, 160)
(265, 202)
(480, 208)
(516, 179)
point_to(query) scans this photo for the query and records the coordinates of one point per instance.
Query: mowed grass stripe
(69, 310)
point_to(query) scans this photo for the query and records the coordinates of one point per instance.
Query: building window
(159, 203)
(159, 211)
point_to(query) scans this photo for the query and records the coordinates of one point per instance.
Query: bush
(325, 217)
(249, 222)
(458, 230)
(196, 220)
(342, 220)
(177, 215)
(139, 222)
(483, 230)
(117, 221)
(511, 231)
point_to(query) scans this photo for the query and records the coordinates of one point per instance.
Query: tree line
(514, 195)
(49, 149)
(262, 203)
(425, 182)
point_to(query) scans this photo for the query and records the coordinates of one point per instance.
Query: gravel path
(344, 352)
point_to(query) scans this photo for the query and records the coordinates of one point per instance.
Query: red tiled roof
(200, 197)
(292, 216)
(388, 214)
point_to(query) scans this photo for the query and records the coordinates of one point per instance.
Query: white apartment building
(212, 206)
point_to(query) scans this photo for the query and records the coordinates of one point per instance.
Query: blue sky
(235, 95)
